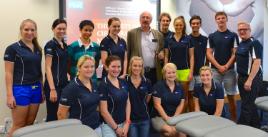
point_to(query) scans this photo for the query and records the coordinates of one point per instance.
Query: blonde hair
(35, 41)
(244, 23)
(168, 65)
(131, 62)
(205, 68)
(82, 60)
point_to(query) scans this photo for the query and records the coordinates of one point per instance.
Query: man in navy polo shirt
(165, 20)
(249, 60)
(221, 53)
(199, 42)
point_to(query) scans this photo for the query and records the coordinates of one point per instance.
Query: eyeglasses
(245, 29)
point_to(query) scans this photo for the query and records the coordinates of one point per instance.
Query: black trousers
(151, 74)
(52, 107)
(249, 114)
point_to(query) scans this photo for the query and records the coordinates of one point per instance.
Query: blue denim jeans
(107, 131)
(139, 129)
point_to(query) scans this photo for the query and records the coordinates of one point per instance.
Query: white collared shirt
(86, 46)
(148, 48)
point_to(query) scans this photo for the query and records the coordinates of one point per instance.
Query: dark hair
(85, 23)
(164, 14)
(195, 17)
(110, 59)
(111, 20)
(57, 22)
(221, 13)
(183, 21)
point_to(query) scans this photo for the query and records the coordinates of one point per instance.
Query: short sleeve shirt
(222, 44)
(27, 63)
(76, 50)
(200, 45)
(207, 102)
(137, 96)
(116, 98)
(179, 51)
(170, 100)
(59, 62)
(82, 102)
(247, 51)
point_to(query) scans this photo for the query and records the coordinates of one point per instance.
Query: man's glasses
(245, 29)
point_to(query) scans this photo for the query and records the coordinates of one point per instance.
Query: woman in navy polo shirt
(112, 44)
(83, 46)
(168, 99)
(56, 68)
(181, 53)
(80, 97)
(208, 96)
(23, 76)
(114, 104)
(140, 89)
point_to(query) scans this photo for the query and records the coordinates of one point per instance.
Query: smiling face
(206, 76)
(86, 31)
(87, 68)
(170, 74)
(244, 31)
(179, 25)
(136, 67)
(60, 30)
(28, 31)
(195, 25)
(115, 27)
(164, 23)
(114, 68)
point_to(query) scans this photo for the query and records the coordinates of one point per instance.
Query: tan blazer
(134, 46)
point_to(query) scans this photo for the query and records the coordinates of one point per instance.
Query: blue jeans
(107, 131)
(139, 129)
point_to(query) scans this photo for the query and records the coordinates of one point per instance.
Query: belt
(148, 69)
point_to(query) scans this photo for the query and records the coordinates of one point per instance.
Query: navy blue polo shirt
(247, 51)
(137, 96)
(222, 43)
(82, 102)
(179, 51)
(116, 98)
(118, 49)
(167, 34)
(200, 46)
(59, 62)
(207, 102)
(169, 100)
(27, 63)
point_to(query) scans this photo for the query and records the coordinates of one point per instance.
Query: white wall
(12, 13)
(169, 6)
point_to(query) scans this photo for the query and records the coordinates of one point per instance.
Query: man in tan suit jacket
(140, 40)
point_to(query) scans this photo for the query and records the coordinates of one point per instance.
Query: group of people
(152, 76)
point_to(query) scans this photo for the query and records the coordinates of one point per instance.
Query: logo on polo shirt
(64, 99)
(94, 90)
(49, 49)
(6, 55)
(226, 37)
